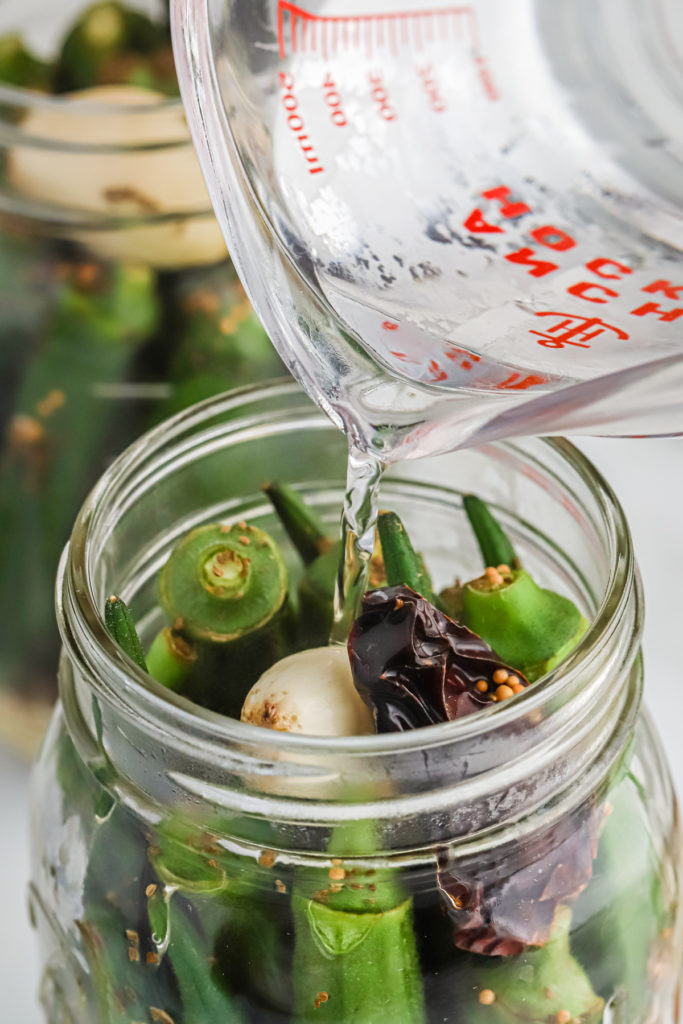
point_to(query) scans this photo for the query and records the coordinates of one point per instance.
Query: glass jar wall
(118, 303)
(517, 865)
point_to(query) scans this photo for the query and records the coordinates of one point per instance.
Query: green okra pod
(320, 556)
(224, 588)
(203, 997)
(358, 968)
(316, 598)
(217, 340)
(617, 937)
(540, 985)
(245, 920)
(19, 67)
(302, 525)
(126, 979)
(402, 563)
(322, 560)
(58, 428)
(355, 954)
(116, 1001)
(171, 659)
(121, 625)
(28, 287)
(494, 544)
(108, 43)
(529, 627)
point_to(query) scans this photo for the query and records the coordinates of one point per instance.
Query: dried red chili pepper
(501, 907)
(414, 666)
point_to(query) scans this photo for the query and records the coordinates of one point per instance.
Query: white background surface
(648, 479)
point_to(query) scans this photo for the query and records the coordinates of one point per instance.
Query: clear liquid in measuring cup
(458, 222)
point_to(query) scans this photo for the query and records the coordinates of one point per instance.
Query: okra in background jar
(118, 306)
(457, 813)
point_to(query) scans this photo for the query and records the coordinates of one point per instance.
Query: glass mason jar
(517, 865)
(118, 307)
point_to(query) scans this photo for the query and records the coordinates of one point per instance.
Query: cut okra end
(222, 583)
(530, 627)
(225, 591)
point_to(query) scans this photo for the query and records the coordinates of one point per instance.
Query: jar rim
(133, 134)
(25, 101)
(175, 718)
(18, 96)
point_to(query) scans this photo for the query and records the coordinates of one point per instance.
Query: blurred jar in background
(118, 305)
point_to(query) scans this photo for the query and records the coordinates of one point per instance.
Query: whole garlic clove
(113, 168)
(309, 692)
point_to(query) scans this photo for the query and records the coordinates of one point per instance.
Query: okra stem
(218, 342)
(494, 543)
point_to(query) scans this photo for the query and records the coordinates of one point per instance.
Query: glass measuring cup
(457, 222)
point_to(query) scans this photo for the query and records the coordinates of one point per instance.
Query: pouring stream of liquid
(364, 473)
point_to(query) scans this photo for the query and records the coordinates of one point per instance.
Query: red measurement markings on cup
(558, 329)
(301, 31)
(465, 360)
(543, 259)
(295, 123)
(380, 95)
(334, 102)
(427, 75)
